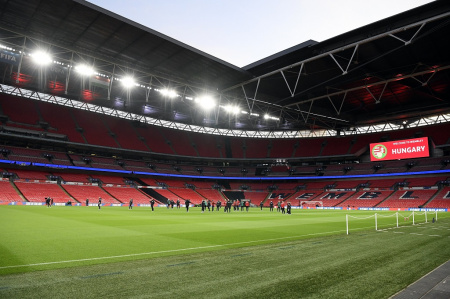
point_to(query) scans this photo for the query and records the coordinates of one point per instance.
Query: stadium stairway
(18, 191)
(67, 193)
(269, 194)
(152, 193)
(111, 195)
(432, 197)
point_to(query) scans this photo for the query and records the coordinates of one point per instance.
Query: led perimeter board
(400, 149)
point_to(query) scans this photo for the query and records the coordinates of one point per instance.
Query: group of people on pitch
(281, 207)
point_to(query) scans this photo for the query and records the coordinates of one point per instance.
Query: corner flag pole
(346, 221)
(396, 214)
(376, 222)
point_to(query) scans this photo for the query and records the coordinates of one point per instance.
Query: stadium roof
(395, 70)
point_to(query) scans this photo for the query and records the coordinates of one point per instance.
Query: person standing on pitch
(187, 202)
(212, 205)
(225, 208)
(99, 203)
(261, 205)
(271, 206)
(130, 205)
(203, 206)
(87, 202)
(282, 208)
(209, 205)
(229, 203)
(288, 208)
(278, 206)
(178, 203)
(247, 205)
(219, 203)
(152, 203)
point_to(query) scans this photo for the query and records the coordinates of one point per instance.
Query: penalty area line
(163, 251)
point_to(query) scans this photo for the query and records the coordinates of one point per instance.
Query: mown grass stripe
(181, 264)
(168, 251)
(101, 275)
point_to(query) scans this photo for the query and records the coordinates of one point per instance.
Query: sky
(241, 32)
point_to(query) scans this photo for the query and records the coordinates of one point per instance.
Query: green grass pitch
(83, 252)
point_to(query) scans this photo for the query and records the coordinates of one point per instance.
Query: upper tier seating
(362, 142)
(94, 130)
(154, 139)
(125, 134)
(256, 148)
(283, 148)
(99, 129)
(26, 114)
(60, 118)
(181, 143)
(309, 147)
(208, 146)
(337, 146)
(237, 148)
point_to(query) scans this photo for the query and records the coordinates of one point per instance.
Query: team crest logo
(379, 151)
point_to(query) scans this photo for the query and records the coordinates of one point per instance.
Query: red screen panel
(400, 149)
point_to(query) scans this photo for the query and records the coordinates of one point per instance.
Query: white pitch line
(163, 251)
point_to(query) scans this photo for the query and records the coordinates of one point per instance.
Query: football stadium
(136, 166)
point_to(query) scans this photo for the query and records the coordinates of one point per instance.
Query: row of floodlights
(206, 102)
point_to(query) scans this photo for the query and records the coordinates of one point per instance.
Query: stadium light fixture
(128, 82)
(41, 58)
(267, 116)
(231, 109)
(206, 102)
(84, 70)
(169, 93)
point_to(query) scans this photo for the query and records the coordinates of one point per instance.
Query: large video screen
(400, 149)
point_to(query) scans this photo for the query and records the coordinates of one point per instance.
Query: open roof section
(394, 70)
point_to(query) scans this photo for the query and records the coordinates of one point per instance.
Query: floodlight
(232, 109)
(206, 102)
(170, 93)
(84, 70)
(128, 82)
(267, 116)
(41, 57)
